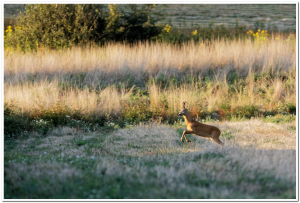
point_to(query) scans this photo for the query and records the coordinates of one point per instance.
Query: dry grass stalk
(115, 61)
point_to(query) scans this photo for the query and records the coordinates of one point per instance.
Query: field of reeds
(102, 122)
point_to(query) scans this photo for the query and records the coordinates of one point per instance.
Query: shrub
(58, 113)
(41, 126)
(131, 23)
(8, 109)
(291, 108)
(170, 35)
(15, 126)
(136, 110)
(246, 111)
(224, 110)
(56, 26)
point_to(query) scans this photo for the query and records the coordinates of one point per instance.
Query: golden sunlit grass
(82, 77)
(112, 62)
(217, 93)
(29, 97)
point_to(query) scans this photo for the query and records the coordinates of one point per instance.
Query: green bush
(247, 111)
(57, 114)
(291, 108)
(15, 126)
(136, 110)
(41, 126)
(131, 23)
(8, 109)
(224, 110)
(57, 26)
(170, 35)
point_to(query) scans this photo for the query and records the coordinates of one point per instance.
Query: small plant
(81, 142)
(57, 113)
(247, 111)
(41, 126)
(259, 36)
(112, 125)
(136, 110)
(291, 108)
(134, 146)
(170, 35)
(227, 135)
(282, 108)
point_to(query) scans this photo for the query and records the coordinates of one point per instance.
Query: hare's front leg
(183, 135)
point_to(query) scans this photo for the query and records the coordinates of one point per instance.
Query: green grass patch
(226, 134)
(280, 118)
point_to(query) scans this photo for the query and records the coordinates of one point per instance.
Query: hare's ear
(183, 105)
(186, 105)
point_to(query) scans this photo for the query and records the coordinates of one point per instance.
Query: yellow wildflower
(195, 32)
(167, 28)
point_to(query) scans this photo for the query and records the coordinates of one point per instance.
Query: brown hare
(200, 129)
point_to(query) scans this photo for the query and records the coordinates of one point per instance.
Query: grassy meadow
(101, 122)
(258, 161)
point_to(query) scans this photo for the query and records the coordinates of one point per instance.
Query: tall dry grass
(113, 62)
(264, 93)
(31, 97)
(35, 79)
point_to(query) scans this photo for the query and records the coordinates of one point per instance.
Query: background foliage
(57, 26)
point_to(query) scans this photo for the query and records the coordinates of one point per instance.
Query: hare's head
(184, 109)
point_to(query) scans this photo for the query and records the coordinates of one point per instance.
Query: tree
(57, 26)
(132, 22)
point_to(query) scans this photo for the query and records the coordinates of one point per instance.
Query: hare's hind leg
(215, 138)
